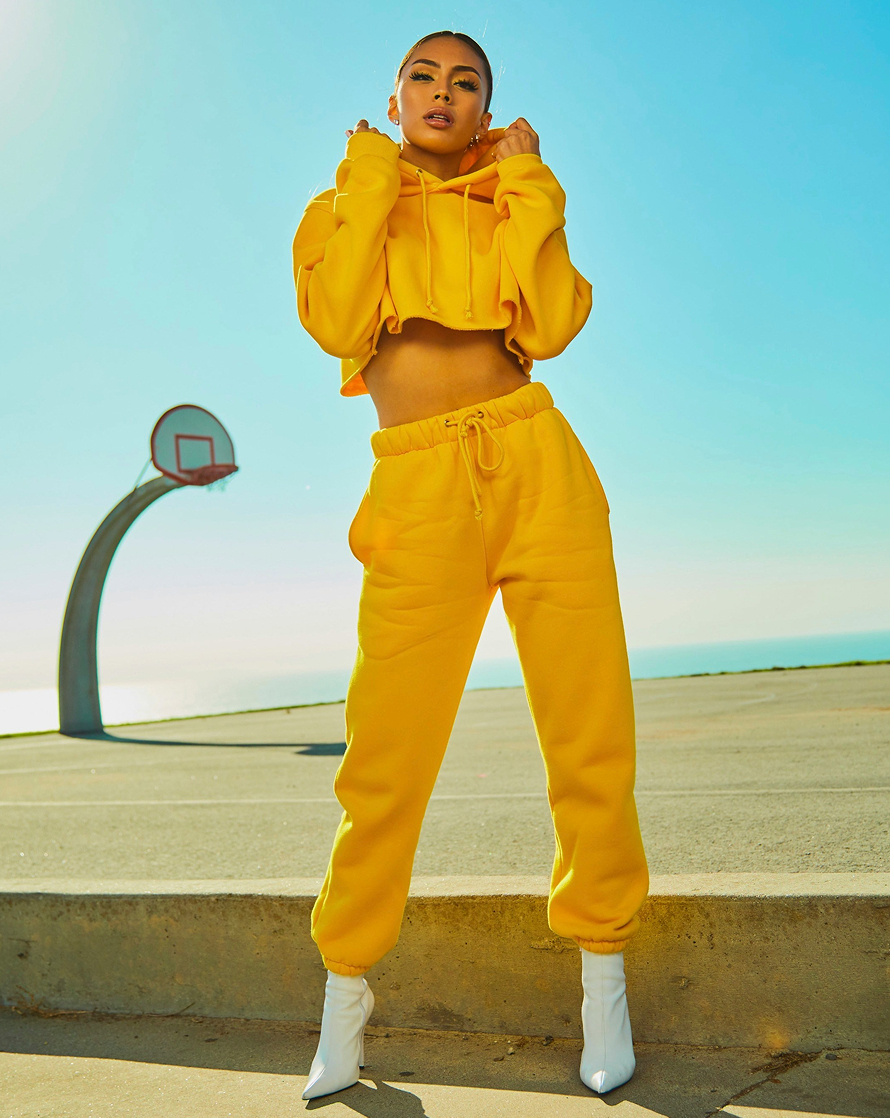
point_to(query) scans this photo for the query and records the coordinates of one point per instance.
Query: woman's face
(443, 76)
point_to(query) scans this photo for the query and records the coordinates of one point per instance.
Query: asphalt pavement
(771, 772)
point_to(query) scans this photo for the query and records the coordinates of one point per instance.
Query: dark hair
(469, 41)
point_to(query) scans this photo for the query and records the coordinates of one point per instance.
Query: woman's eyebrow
(437, 65)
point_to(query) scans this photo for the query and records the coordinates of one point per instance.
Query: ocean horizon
(35, 710)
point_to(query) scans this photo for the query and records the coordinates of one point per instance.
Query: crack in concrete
(778, 1065)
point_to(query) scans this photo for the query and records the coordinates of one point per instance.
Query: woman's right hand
(362, 126)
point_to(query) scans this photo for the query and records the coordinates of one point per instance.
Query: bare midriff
(428, 369)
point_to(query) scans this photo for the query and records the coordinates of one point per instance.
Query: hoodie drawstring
(428, 299)
(468, 307)
(465, 425)
(467, 244)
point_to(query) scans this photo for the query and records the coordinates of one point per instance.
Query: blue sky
(726, 167)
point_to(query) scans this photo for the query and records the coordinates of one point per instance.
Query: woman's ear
(482, 130)
(392, 110)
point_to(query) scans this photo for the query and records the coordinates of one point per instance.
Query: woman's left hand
(518, 139)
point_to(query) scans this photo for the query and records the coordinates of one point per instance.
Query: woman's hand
(518, 139)
(362, 126)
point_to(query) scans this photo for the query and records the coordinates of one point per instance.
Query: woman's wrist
(518, 160)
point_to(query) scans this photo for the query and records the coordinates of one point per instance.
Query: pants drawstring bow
(465, 424)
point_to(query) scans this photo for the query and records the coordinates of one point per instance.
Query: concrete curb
(779, 961)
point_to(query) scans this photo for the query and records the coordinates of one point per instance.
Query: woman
(437, 270)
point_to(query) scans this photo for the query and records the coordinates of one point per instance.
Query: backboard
(190, 445)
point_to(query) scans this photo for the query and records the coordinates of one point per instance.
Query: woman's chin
(437, 144)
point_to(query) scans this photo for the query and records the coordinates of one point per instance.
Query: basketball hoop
(191, 446)
(208, 475)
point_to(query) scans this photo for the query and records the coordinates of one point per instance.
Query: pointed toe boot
(339, 1057)
(607, 1060)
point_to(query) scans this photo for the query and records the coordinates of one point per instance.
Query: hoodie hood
(477, 176)
(477, 170)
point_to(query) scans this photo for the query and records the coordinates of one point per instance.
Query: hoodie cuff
(519, 162)
(372, 143)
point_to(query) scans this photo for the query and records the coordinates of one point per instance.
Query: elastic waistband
(498, 412)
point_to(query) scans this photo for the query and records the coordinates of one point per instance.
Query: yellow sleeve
(556, 299)
(338, 258)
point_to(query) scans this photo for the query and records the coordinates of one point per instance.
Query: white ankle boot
(607, 1060)
(339, 1057)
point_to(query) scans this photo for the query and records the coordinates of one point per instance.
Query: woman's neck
(441, 166)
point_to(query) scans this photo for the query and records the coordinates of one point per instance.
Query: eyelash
(471, 86)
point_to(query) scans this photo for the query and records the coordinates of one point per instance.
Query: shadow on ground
(422, 1074)
(305, 749)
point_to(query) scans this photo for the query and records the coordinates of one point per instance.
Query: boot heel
(369, 1002)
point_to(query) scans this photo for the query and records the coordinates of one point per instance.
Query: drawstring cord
(428, 299)
(465, 425)
(467, 310)
(468, 307)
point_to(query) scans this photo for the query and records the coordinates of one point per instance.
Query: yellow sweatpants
(498, 494)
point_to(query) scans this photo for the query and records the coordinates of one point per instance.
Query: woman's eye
(466, 83)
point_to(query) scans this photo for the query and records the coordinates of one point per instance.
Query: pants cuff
(343, 968)
(602, 946)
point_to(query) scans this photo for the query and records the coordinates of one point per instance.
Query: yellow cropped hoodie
(482, 251)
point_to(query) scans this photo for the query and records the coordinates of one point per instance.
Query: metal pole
(79, 710)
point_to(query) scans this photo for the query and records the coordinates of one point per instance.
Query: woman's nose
(445, 95)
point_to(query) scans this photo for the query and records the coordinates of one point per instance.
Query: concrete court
(783, 771)
(725, 764)
(73, 1066)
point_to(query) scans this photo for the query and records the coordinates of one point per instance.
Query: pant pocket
(357, 534)
(594, 477)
